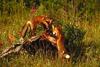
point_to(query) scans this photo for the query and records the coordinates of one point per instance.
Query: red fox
(58, 41)
(44, 20)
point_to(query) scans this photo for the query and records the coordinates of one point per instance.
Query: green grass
(90, 42)
(91, 57)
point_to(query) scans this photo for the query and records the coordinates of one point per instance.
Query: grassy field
(81, 31)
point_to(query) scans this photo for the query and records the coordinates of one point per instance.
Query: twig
(17, 47)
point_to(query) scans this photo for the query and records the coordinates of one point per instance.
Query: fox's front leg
(46, 25)
(31, 28)
(50, 38)
(25, 28)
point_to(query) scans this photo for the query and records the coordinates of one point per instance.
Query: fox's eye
(54, 33)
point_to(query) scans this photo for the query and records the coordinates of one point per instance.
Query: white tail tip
(67, 56)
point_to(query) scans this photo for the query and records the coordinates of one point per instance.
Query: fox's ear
(52, 26)
(43, 18)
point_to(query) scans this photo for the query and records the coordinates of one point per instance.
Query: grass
(90, 43)
(91, 57)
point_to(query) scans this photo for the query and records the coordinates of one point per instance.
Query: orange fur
(58, 41)
(44, 20)
(50, 38)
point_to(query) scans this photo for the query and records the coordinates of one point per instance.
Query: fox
(31, 25)
(38, 20)
(58, 41)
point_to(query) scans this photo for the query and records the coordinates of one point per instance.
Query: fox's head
(47, 19)
(56, 30)
(47, 22)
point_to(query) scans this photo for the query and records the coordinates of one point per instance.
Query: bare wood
(17, 47)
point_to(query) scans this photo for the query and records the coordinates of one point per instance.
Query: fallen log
(17, 47)
(13, 49)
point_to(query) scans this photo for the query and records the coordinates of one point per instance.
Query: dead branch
(17, 47)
